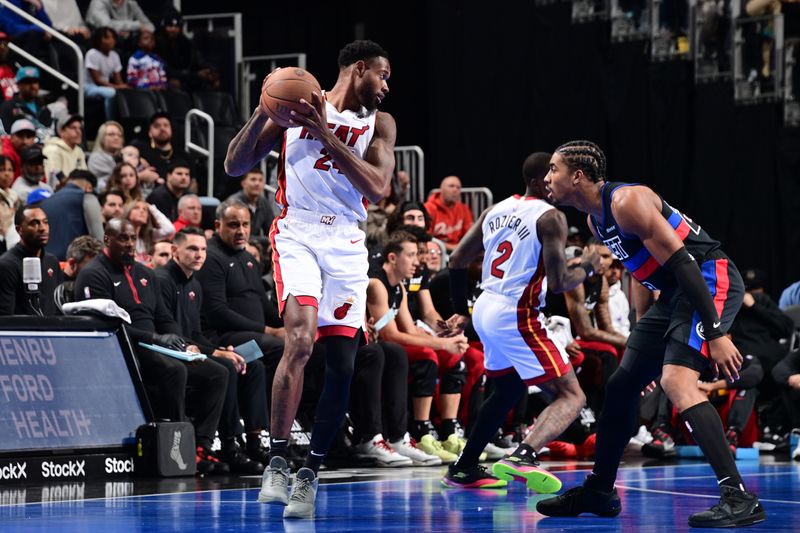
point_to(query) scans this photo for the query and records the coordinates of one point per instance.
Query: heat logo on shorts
(340, 312)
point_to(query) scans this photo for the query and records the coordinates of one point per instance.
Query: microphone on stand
(31, 278)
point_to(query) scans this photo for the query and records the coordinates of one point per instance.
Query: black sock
(493, 412)
(420, 428)
(705, 425)
(278, 447)
(448, 427)
(314, 460)
(524, 451)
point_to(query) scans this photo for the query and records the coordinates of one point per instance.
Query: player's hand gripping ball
(283, 90)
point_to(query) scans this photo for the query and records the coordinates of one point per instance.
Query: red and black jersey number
(504, 248)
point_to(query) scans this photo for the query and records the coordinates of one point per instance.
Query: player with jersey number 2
(524, 239)
(340, 155)
(681, 334)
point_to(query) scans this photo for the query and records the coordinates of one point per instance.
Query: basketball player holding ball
(338, 153)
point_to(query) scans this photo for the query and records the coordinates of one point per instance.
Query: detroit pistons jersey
(631, 250)
(512, 264)
(309, 179)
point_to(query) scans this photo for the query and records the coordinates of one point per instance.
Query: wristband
(588, 268)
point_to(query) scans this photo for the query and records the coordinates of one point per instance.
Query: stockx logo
(69, 469)
(14, 471)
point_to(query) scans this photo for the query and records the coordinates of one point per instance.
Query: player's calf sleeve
(705, 425)
(339, 361)
(614, 427)
(506, 392)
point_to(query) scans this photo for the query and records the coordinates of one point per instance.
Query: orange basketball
(283, 91)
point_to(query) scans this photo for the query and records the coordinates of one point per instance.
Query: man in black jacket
(15, 299)
(235, 306)
(183, 297)
(758, 329)
(165, 197)
(115, 275)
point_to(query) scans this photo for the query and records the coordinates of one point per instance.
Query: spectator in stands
(112, 204)
(34, 232)
(428, 319)
(787, 375)
(64, 153)
(409, 213)
(186, 68)
(107, 147)
(190, 212)
(145, 67)
(9, 202)
(79, 253)
(618, 305)
(8, 75)
(175, 387)
(378, 213)
(745, 390)
(165, 197)
(790, 296)
(261, 209)
(125, 180)
(587, 309)
(32, 176)
(28, 35)
(450, 217)
(23, 135)
(378, 407)
(26, 103)
(434, 257)
(386, 294)
(148, 175)
(150, 225)
(758, 329)
(158, 150)
(125, 17)
(66, 18)
(183, 297)
(74, 211)
(160, 254)
(104, 69)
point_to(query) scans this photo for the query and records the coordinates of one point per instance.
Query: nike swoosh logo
(116, 283)
(355, 241)
(716, 324)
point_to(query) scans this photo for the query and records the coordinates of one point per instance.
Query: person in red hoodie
(450, 217)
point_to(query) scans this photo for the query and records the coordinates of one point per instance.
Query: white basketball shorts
(514, 338)
(321, 260)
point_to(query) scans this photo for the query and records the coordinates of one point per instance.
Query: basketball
(283, 91)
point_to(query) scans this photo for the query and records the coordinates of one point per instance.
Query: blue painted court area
(654, 498)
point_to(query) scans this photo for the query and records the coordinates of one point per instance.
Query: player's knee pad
(453, 379)
(422, 378)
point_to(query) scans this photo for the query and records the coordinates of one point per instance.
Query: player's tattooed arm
(552, 231)
(252, 143)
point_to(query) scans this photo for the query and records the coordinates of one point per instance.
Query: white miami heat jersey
(308, 178)
(512, 264)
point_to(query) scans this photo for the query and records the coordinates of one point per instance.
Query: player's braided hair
(585, 156)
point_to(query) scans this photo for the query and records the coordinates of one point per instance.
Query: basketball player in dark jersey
(681, 334)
